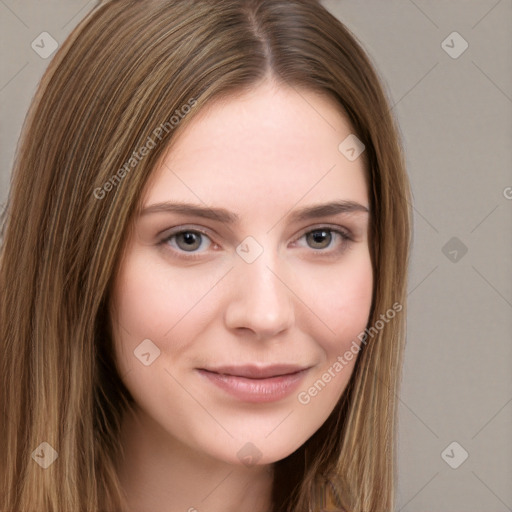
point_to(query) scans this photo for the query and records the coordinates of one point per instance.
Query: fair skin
(262, 156)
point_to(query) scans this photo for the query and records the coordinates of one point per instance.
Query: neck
(158, 472)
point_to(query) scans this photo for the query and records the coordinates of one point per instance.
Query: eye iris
(318, 237)
(191, 240)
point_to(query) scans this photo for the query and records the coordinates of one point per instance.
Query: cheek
(137, 312)
(153, 301)
(352, 308)
(138, 301)
(345, 306)
(344, 301)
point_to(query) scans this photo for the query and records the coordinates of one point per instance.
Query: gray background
(456, 122)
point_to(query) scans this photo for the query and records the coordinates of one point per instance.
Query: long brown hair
(122, 73)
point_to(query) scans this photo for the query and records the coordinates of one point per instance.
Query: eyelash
(345, 235)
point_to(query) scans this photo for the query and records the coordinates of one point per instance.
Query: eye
(325, 238)
(318, 238)
(188, 240)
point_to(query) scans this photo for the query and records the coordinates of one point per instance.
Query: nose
(261, 300)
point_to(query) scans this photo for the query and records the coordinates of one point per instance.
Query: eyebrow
(227, 217)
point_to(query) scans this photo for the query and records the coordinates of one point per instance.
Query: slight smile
(256, 384)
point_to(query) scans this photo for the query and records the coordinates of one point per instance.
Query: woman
(176, 333)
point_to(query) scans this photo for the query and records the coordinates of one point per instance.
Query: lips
(255, 384)
(255, 372)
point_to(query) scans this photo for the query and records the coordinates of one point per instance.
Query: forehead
(272, 146)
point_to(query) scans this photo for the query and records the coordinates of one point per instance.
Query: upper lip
(257, 372)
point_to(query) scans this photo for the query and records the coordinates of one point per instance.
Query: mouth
(257, 372)
(256, 384)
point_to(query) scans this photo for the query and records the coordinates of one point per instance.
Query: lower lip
(256, 390)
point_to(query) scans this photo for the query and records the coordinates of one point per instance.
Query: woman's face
(240, 293)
